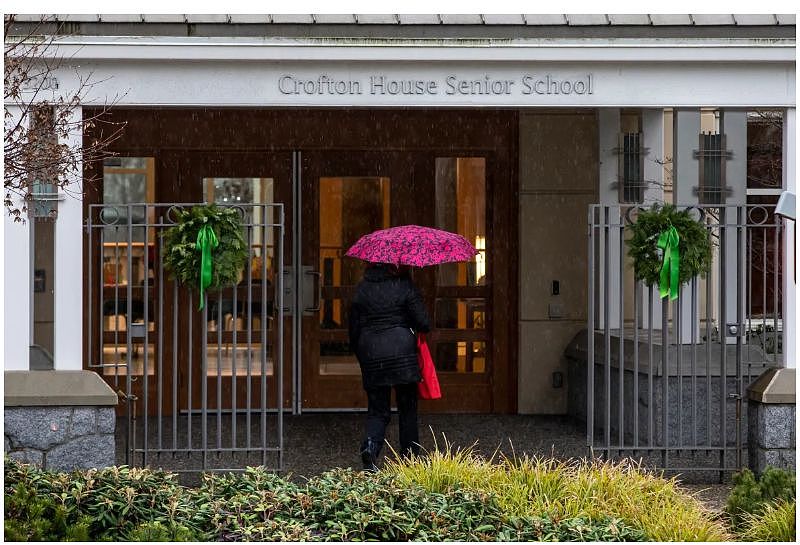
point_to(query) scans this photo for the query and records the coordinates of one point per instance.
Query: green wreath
(206, 248)
(651, 232)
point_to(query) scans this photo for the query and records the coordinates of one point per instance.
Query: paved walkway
(316, 442)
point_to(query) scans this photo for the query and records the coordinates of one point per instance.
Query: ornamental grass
(525, 486)
(776, 522)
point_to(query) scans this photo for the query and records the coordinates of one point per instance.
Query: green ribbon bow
(206, 242)
(670, 268)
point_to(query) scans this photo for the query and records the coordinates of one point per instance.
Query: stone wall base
(771, 420)
(60, 420)
(61, 438)
(772, 436)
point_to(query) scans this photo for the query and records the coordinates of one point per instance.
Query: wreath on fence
(205, 249)
(668, 248)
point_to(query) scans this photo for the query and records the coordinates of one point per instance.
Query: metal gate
(668, 379)
(202, 390)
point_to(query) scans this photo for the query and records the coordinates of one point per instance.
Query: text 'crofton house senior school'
(527, 84)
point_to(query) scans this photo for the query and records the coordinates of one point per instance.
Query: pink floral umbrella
(412, 245)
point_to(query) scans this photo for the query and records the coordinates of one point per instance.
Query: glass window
(226, 313)
(128, 184)
(711, 159)
(349, 207)
(461, 208)
(459, 313)
(460, 357)
(631, 167)
(43, 315)
(247, 192)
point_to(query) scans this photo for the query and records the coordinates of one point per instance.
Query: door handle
(318, 304)
(287, 290)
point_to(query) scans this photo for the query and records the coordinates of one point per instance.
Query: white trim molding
(687, 50)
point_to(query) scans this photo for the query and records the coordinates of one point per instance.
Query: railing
(666, 380)
(203, 390)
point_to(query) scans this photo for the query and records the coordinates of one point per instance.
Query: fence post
(789, 244)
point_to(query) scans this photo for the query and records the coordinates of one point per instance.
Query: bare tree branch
(39, 120)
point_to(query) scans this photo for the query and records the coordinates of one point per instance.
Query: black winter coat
(384, 310)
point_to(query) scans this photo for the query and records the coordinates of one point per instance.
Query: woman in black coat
(386, 313)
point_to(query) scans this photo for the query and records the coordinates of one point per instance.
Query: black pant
(379, 414)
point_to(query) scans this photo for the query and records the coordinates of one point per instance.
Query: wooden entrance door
(345, 195)
(240, 320)
(348, 194)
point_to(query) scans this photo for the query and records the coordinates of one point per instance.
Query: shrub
(751, 495)
(775, 523)
(116, 500)
(530, 487)
(156, 531)
(446, 496)
(31, 517)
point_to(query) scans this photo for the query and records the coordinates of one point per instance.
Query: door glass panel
(126, 181)
(461, 208)
(459, 313)
(349, 207)
(43, 242)
(460, 357)
(228, 308)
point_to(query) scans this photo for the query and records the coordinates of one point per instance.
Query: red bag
(429, 387)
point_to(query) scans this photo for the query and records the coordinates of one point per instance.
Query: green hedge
(121, 503)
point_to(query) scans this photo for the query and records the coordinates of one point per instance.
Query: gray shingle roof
(439, 19)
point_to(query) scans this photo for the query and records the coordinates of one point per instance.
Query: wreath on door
(206, 249)
(668, 248)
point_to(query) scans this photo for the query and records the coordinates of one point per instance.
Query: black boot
(411, 451)
(370, 450)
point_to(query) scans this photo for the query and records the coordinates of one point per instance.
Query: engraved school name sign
(451, 85)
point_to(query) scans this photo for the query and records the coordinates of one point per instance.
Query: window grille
(711, 159)
(631, 167)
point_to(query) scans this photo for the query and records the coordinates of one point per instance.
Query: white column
(789, 249)
(68, 345)
(685, 173)
(16, 282)
(733, 124)
(608, 121)
(653, 141)
(685, 178)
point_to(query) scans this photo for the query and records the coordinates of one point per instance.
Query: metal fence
(202, 389)
(666, 380)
